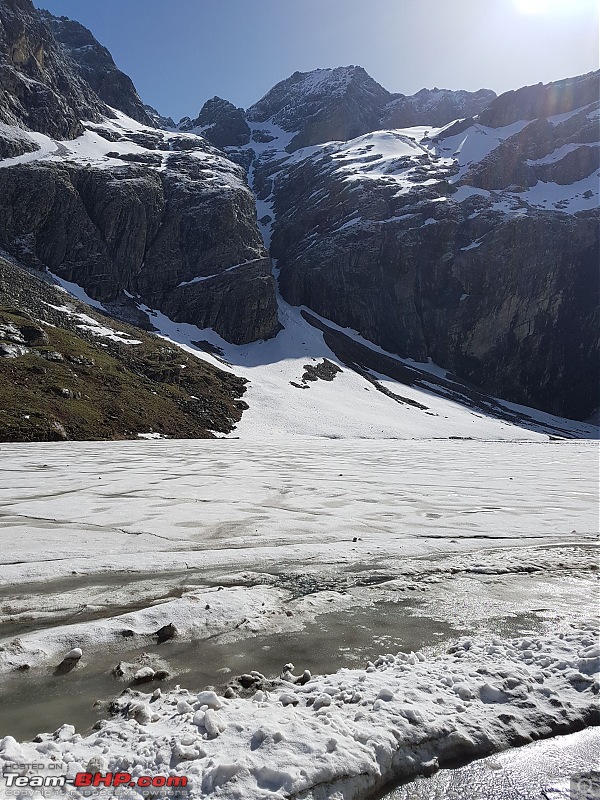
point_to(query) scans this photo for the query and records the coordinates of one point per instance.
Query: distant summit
(333, 105)
(220, 122)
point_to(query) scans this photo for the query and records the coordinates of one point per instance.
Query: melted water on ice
(37, 700)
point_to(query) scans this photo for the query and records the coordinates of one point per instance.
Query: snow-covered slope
(474, 245)
(355, 402)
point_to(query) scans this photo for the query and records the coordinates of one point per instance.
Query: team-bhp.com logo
(89, 780)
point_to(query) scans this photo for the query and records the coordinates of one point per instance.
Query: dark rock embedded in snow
(324, 370)
(166, 633)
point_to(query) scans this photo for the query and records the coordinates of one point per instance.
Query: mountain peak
(220, 122)
(322, 105)
(309, 87)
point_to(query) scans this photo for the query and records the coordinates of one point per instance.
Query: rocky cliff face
(478, 250)
(40, 87)
(96, 66)
(169, 226)
(123, 209)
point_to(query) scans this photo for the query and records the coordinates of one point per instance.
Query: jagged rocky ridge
(124, 208)
(330, 104)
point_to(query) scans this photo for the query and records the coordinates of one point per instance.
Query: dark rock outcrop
(517, 316)
(96, 66)
(221, 123)
(40, 86)
(14, 143)
(242, 306)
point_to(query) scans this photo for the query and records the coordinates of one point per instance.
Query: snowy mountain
(471, 245)
(328, 104)
(475, 244)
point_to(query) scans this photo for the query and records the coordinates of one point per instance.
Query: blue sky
(181, 52)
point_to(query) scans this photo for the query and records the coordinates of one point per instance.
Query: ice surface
(229, 506)
(547, 769)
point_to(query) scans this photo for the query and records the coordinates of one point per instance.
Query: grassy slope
(100, 389)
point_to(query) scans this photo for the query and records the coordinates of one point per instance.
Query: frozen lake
(323, 552)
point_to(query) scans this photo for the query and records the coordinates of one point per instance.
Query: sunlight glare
(546, 6)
